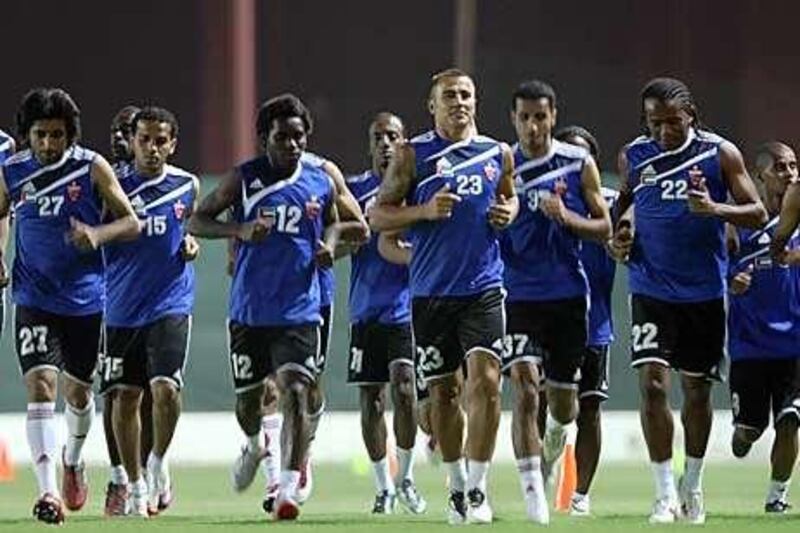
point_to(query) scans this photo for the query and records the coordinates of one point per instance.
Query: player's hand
(4, 279)
(256, 230)
(741, 281)
(441, 204)
(353, 233)
(698, 198)
(500, 213)
(190, 248)
(324, 255)
(83, 236)
(553, 207)
(619, 246)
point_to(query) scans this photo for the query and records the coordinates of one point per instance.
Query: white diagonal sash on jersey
(48, 168)
(5, 146)
(75, 174)
(249, 203)
(358, 178)
(469, 162)
(757, 234)
(366, 195)
(551, 175)
(149, 183)
(176, 193)
(533, 163)
(689, 138)
(459, 144)
(689, 162)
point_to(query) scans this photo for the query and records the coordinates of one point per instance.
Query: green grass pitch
(204, 502)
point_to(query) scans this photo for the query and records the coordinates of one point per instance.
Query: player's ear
(430, 106)
(173, 145)
(555, 115)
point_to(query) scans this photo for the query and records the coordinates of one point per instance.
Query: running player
(381, 344)
(764, 325)
(7, 148)
(58, 190)
(593, 386)
(453, 189)
(150, 286)
(559, 189)
(281, 201)
(678, 177)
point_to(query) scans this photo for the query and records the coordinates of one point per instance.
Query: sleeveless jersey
(458, 256)
(542, 257)
(147, 279)
(49, 272)
(600, 269)
(378, 289)
(764, 322)
(6, 143)
(676, 256)
(275, 281)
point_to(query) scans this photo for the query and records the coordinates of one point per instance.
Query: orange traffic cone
(567, 479)
(7, 472)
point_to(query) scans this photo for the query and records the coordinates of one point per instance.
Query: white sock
(552, 424)
(290, 479)
(313, 422)
(664, 478)
(577, 496)
(154, 467)
(530, 475)
(254, 443)
(118, 475)
(476, 475)
(777, 490)
(139, 487)
(693, 473)
(405, 464)
(271, 426)
(78, 423)
(42, 432)
(458, 475)
(383, 479)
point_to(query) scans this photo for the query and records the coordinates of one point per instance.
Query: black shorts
(759, 386)
(447, 329)
(64, 343)
(594, 373)
(688, 337)
(551, 333)
(374, 348)
(258, 352)
(135, 357)
(325, 330)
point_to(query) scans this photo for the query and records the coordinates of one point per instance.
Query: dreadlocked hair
(671, 90)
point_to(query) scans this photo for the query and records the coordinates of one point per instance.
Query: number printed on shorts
(32, 340)
(112, 368)
(644, 337)
(356, 359)
(241, 365)
(430, 358)
(516, 344)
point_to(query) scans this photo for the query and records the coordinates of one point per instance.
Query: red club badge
(313, 207)
(560, 186)
(73, 191)
(490, 169)
(179, 208)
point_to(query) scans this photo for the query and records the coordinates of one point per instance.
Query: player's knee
(589, 412)
(403, 384)
(747, 435)
(77, 394)
(787, 425)
(526, 394)
(296, 391)
(271, 394)
(41, 386)
(373, 403)
(164, 393)
(128, 398)
(445, 394)
(563, 411)
(653, 388)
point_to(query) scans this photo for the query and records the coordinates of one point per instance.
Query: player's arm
(621, 242)
(190, 248)
(5, 216)
(506, 205)
(326, 247)
(747, 211)
(125, 225)
(787, 223)
(205, 222)
(393, 248)
(346, 204)
(595, 227)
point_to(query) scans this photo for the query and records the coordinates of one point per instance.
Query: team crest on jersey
(313, 207)
(73, 191)
(560, 186)
(179, 208)
(444, 167)
(490, 169)
(648, 175)
(138, 205)
(29, 189)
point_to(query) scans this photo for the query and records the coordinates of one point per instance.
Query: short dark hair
(127, 111)
(534, 90)
(568, 132)
(766, 154)
(447, 73)
(48, 103)
(671, 90)
(283, 106)
(156, 114)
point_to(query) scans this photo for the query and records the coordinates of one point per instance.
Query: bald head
(769, 152)
(386, 133)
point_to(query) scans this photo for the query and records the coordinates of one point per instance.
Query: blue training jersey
(275, 281)
(764, 322)
(541, 256)
(147, 279)
(677, 256)
(458, 256)
(378, 289)
(49, 272)
(600, 269)
(6, 146)
(327, 286)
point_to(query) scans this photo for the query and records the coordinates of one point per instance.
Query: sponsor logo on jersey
(648, 175)
(29, 189)
(256, 184)
(444, 167)
(138, 205)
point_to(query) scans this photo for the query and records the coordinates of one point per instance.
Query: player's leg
(404, 402)
(785, 397)
(271, 424)
(146, 416)
(81, 338)
(448, 424)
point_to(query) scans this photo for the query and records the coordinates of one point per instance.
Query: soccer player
(58, 190)
(150, 294)
(559, 191)
(282, 200)
(678, 176)
(764, 325)
(593, 386)
(381, 344)
(7, 148)
(452, 190)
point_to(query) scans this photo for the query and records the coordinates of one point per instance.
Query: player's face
(778, 175)
(122, 137)
(153, 144)
(668, 122)
(385, 135)
(453, 103)
(48, 140)
(286, 142)
(534, 121)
